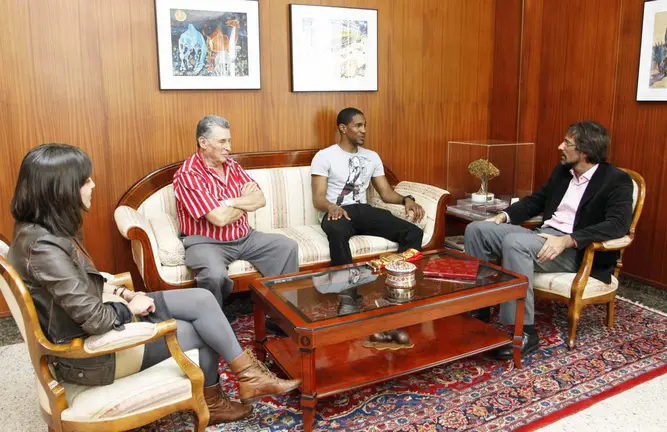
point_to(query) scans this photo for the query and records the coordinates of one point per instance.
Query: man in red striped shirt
(213, 196)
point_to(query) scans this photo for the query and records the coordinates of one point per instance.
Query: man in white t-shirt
(341, 175)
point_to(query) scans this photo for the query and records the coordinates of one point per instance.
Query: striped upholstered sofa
(146, 215)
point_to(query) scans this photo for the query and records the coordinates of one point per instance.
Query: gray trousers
(518, 248)
(202, 325)
(271, 254)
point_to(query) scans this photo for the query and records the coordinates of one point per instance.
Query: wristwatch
(227, 202)
(408, 197)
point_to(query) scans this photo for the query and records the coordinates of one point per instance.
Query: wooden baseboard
(644, 280)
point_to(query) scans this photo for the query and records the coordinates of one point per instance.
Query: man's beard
(566, 163)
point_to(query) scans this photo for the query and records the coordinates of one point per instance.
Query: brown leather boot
(256, 380)
(221, 409)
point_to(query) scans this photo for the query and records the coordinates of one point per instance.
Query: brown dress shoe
(380, 337)
(221, 409)
(400, 336)
(256, 380)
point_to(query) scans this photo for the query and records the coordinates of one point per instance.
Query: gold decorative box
(401, 274)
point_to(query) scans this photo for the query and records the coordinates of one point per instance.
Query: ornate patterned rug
(480, 394)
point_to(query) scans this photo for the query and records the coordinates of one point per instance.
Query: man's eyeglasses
(568, 143)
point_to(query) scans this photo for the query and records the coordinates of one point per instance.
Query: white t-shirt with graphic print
(348, 174)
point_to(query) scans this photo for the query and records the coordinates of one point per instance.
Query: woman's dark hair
(592, 139)
(48, 190)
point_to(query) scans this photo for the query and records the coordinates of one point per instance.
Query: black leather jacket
(67, 291)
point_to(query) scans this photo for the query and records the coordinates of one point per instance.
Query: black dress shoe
(483, 314)
(231, 316)
(347, 309)
(348, 305)
(529, 344)
(400, 336)
(380, 337)
(272, 328)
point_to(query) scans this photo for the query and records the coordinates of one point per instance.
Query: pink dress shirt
(563, 217)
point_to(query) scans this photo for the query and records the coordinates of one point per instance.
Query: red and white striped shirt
(200, 190)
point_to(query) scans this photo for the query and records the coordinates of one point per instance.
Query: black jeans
(368, 220)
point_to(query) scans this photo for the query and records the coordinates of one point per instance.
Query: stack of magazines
(478, 211)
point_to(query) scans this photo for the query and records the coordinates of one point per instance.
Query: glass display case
(484, 177)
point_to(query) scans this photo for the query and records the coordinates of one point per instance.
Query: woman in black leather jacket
(53, 190)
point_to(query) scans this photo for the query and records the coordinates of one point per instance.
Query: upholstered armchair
(579, 289)
(131, 401)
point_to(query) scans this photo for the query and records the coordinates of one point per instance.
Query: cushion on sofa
(313, 248)
(176, 274)
(289, 201)
(169, 245)
(163, 201)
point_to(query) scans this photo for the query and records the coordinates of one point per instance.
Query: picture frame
(333, 48)
(652, 76)
(194, 49)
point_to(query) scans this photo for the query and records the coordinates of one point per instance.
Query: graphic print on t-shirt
(356, 167)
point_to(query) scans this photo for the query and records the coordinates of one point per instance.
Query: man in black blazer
(586, 199)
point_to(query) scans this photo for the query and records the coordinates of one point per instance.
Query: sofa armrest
(128, 218)
(131, 334)
(135, 227)
(115, 340)
(581, 279)
(434, 201)
(614, 244)
(121, 279)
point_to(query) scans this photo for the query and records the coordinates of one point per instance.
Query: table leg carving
(260, 331)
(308, 389)
(518, 332)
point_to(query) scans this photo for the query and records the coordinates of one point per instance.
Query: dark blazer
(605, 211)
(66, 289)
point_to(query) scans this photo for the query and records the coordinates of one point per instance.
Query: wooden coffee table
(328, 316)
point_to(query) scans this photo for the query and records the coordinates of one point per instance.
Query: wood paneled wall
(640, 134)
(580, 61)
(85, 72)
(568, 73)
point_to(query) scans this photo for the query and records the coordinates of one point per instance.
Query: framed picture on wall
(652, 81)
(334, 48)
(208, 44)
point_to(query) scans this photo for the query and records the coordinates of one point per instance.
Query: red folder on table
(451, 268)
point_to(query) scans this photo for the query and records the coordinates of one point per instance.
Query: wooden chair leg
(572, 322)
(199, 425)
(201, 421)
(610, 314)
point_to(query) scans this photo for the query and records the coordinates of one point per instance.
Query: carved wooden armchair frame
(575, 301)
(40, 347)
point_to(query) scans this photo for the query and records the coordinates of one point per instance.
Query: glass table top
(335, 293)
